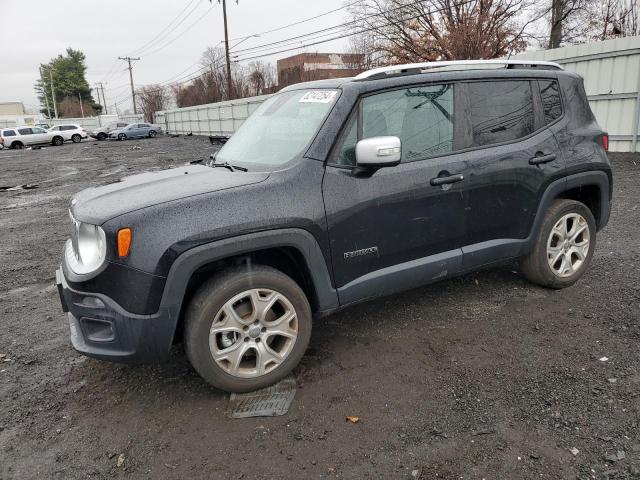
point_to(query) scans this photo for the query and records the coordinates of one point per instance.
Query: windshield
(279, 129)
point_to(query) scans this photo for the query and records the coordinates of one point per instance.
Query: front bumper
(101, 329)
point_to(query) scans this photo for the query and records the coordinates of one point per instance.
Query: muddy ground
(484, 376)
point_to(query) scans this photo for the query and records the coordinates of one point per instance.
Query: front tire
(102, 136)
(75, 138)
(57, 141)
(122, 136)
(152, 134)
(564, 246)
(247, 328)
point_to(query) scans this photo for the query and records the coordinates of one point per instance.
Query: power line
(188, 29)
(346, 35)
(329, 30)
(299, 21)
(146, 45)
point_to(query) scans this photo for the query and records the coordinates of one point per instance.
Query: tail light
(605, 142)
(1, 140)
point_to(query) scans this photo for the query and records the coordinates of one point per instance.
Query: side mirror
(378, 152)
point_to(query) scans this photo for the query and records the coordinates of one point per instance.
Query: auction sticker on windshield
(318, 96)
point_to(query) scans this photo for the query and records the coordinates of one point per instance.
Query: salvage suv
(334, 192)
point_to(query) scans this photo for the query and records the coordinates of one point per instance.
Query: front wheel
(152, 134)
(564, 247)
(75, 138)
(122, 136)
(57, 141)
(102, 136)
(247, 328)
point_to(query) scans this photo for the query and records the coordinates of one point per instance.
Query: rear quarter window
(551, 103)
(8, 133)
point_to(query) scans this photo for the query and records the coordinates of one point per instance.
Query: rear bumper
(101, 329)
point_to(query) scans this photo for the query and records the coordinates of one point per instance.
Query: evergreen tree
(70, 83)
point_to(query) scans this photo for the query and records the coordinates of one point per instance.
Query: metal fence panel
(611, 72)
(222, 118)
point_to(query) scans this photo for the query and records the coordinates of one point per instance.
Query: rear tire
(102, 136)
(17, 145)
(564, 246)
(238, 316)
(75, 138)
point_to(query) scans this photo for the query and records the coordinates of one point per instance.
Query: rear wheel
(122, 136)
(57, 141)
(75, 138)
(247, 329)
(564, 246)
(17, 145)
(102, 136)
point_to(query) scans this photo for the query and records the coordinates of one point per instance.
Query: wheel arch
(593, 188)
(295, 252)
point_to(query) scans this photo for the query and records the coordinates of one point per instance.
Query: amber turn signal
(124, 242)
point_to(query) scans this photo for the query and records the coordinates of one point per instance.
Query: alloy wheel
(568, 245)
(253, 333)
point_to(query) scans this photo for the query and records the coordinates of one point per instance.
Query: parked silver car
(136, 130)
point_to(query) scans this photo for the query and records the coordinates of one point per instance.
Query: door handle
(542, 158)
(438, 181)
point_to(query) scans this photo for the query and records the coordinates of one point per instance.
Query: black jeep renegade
(334, 192)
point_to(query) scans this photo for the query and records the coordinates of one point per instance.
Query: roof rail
(415, 68)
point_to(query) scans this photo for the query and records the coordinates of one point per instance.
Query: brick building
(305, 67)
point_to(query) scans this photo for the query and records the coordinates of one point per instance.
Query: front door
(397, 227)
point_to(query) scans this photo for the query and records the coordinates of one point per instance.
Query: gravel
(482, 376)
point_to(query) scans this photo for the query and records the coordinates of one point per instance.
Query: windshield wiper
(233, 168)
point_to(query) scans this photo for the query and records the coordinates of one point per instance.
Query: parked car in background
(70, 131)
(102, 133)
(136, 130)
(46, 126)
(25, 136)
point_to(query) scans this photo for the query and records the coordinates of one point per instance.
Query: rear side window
(501, 111)
(551, 103)
(67, 127)
(25, 131)
(8, 133)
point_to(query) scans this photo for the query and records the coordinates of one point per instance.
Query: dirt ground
(483, 376)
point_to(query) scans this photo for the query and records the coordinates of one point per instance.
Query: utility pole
(133, 92)
(53, 94)
(226, 49)
(104, 99)
(44, 91)
(81, 109)
(99, 87)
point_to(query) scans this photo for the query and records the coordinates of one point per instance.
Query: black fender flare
(598, 178)
(190, 261)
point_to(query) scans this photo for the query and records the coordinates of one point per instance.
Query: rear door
(27, 137)
(397, 227)
(513, 156)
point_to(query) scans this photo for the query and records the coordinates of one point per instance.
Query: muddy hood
(100, 204)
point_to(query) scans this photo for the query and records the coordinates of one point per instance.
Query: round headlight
(89, 248)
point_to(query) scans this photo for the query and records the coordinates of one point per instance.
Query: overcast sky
(32, 32)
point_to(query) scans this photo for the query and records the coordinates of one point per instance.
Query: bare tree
(152, 99)
(409, 31)
(261, 78)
